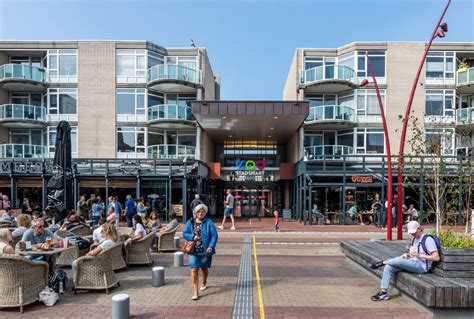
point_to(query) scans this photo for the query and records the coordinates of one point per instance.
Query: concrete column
(197, 153)
(199, 95)
(300, 143)
(300, 95)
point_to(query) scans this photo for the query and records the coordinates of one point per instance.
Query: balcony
(465, 116)
(465, 83)
(22, 78)
(328, 79)
(22, 116)
(163, 151)
(22, 151)
(174, 78)
(331, 116)
(331, 152)
(164, 114)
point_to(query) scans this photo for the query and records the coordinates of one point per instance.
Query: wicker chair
(117, 257)
(81, 230)
(123, 233)
(166, 240)
(95, 272)
(68, 256)
(21, 280)
(138, 252)
(16, 239)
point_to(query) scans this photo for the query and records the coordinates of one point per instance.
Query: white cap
(412, 227)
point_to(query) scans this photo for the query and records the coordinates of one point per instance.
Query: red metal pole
(389, 155)
(404, 130)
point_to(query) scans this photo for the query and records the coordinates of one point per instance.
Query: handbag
(188, 246)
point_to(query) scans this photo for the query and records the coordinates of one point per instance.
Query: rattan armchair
(124, 233)
(165, 241)
(68, 256)
(81, 230)
(138, 252)
(93, 273)
(116, 256)
(21, 280)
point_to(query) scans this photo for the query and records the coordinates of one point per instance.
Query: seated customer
(172, 224)
(352, 211)
(5, 240)
(38, 235)
(97, 234)
(24, 223)
(414, 262)
(72, 221)
(111, 217)
(138, 229)
(8, 217)
(153, 221)
(110, 237)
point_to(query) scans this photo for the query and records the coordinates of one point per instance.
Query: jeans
(95, 219)
(129, 220)
(399, 264)
(383, 218)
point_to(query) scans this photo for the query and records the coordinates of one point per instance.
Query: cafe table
(49, 255)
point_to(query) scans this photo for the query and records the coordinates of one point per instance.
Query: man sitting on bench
(416, 261)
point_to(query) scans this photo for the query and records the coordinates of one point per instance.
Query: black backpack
(58, 281)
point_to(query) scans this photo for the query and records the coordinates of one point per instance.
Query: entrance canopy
(250, 120)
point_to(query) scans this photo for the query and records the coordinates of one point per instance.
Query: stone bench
(430, 290)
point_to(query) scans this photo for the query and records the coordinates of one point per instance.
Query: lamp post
(387, 143)
(439, 32)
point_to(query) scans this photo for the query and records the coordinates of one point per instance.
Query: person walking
(202, 231)
(229, 210)
(196, 201)
(129, 210)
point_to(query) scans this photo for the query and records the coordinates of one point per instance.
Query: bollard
(178, 259)
(177, 242)
(121, 306)
(158, 276)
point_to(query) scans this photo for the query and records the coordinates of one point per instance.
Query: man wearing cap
(416, 261)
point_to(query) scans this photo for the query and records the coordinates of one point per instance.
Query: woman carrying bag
(203, 233)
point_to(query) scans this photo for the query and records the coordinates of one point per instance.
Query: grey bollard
(158, 276)
(178, 259)
(177, 242)
(121, 306)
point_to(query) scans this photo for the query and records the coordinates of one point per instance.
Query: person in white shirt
(139, 229)
(97, 234)
(417, 261)
(110, 234)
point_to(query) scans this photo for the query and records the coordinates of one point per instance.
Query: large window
(347, 60)
(62, 104)
(186, 61)
(171, 137)
(155, 59)
(346, 138)
(131, 141)
(131, 66)
(131, 104)
(26, 98)
(439, 141)
(378, 63)
(49, 139)
(440, 65)
(62, 65)
(28, 137)
(310, 62)
(439, 102)
(370, 141)
(368, 103)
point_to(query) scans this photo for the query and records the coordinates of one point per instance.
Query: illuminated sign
(250, 165)
(362, 179)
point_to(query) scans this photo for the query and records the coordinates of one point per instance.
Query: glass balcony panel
(328, 112)
(331, 112)
(329, 72)
(172, 111)
(19, 71)
(181, 112)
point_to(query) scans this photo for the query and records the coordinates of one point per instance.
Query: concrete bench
(430, 290)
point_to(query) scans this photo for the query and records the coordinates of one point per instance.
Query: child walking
(276, 221)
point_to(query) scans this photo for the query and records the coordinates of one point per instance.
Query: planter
(456, 263)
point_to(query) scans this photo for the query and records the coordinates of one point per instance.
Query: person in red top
(276, 221)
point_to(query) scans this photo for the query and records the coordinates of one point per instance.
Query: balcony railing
(315, 152)
(328, 72)
(331, 113)
(22, 151)
(20, 71)
(163, 151)
(465, 116)
(22, 112)
(169, 112)
(174, 72)
(466, 76)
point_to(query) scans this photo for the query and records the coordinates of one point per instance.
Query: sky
(250, 43)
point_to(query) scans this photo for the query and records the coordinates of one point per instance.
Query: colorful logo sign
(250, 165)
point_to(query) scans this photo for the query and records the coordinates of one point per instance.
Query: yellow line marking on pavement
(257, 275)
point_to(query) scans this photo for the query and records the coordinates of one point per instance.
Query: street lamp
(439, 32)
(387, 143)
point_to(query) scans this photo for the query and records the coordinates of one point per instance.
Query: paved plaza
(302, 275)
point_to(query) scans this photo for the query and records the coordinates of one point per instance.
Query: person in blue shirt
(129, 210)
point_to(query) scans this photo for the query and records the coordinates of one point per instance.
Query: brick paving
(303, 275)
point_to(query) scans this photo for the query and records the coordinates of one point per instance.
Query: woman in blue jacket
(202, 230)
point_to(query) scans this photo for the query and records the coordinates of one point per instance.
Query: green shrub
(450, 239)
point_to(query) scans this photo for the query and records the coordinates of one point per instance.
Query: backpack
(423, 246)
(58, 281)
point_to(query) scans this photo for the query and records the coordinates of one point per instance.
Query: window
(378, 63)
(186, 61)
(62, 66)
(154, 59)
(131, 66)
(28, 137)
(439, 102)
(370, 141)
(50, 140)
(346, 138)
(62, 103)
(440, 65)
(310, 63)
(131, 104)
(131, 140)
(368, 103)
(26, 98)
(439, 141)
(171, 137)
(347, 60)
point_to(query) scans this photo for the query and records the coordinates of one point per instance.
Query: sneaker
(195, 297)
(220, 227)
(203, 288)
(377, 265)
(380, 296)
